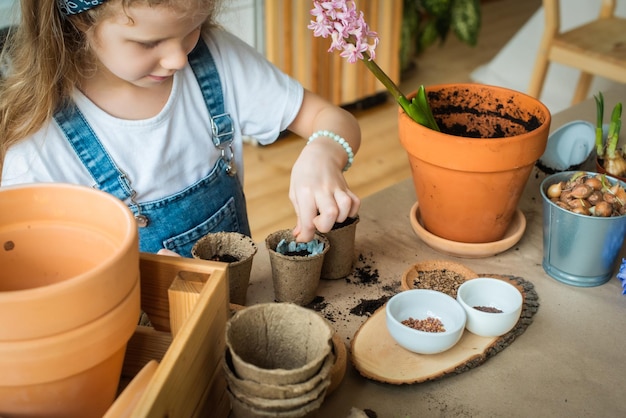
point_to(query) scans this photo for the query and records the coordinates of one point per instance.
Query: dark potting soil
(364, 274)
(496, 131)
(319, 305)
(370, 413)
(299, 253)
(225, 258)
(549, 170)
(348, 221)
(368, 306)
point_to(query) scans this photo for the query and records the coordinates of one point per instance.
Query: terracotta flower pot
(218, 245)
(69, 299)
(339, 259)
(69, 254)
(295, 277)
(71, 374)
(468, 188)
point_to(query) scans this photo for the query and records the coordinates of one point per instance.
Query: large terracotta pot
(71, 374)
(69, 254)
(468, 188)
(69, 299)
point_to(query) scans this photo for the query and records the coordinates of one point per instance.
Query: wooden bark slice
(377, 356)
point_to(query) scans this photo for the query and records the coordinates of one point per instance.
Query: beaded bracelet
(338, 140)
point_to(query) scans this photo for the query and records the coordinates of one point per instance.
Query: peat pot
(295, 277)
(339, 259)
(222, 246)
(579, 250)
(469, 177)
(69, 299)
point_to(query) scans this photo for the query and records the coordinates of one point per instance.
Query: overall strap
(95, 158)
(203, 66)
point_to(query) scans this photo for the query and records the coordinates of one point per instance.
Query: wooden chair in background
(597, 48)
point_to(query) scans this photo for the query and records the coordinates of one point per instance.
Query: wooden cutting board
(377, 356)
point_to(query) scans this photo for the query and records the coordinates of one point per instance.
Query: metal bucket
(579, 250)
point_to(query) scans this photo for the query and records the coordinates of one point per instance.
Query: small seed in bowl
(489, 309)
(429, 324)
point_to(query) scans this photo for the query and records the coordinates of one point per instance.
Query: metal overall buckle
(222, 129)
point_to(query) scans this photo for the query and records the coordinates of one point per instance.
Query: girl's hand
(164, 251)
(318, 190)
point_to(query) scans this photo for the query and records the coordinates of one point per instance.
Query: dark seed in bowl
(489, 309)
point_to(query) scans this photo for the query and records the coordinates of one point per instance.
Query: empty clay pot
(278, 343)
(220, 244)
(69, 254)
(70, 374)
(69, 298)
(295, 277)
(339, 259)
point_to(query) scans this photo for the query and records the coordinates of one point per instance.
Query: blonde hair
(48, 55)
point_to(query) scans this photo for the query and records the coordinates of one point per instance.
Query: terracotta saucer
(469, 250)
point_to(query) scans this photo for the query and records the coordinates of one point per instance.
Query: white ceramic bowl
(490, 292)
(420, 304)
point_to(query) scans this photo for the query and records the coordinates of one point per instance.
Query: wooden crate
(188, 381)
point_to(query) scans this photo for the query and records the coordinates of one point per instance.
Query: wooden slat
(272, 21)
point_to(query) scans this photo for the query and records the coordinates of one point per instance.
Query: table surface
(570, 361)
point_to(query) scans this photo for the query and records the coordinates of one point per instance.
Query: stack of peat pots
(278, 360)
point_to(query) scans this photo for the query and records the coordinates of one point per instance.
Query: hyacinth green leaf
(614, 127)
(421, 100)
(412, 111)
(418, 109)
(466, 20)
(599, 119)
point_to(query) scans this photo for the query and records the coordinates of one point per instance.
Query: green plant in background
(427, 21)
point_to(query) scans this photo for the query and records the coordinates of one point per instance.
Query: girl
(148, 100)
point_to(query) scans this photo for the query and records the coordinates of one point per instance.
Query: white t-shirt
(164, 154)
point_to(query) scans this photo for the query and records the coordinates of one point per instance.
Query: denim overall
(214, 203)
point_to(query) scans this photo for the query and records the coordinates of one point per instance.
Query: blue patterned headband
(72, 7)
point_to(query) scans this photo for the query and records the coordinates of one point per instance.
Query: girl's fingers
(164, 251)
